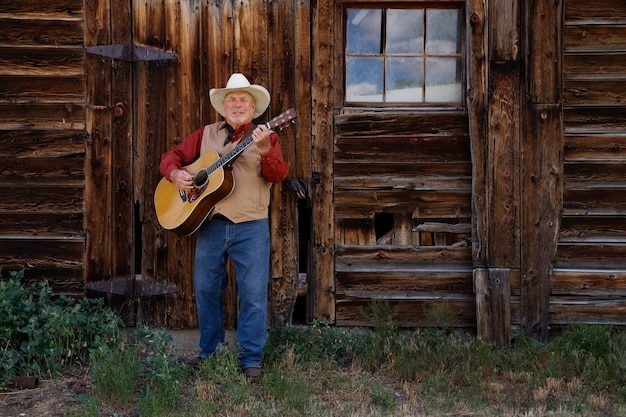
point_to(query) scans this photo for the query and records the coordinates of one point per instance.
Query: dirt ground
(54, 398)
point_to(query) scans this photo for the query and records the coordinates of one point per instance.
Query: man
(238, 226)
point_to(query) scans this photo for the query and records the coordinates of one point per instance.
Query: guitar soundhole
(201, 178)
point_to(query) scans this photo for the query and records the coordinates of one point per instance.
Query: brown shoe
(252, 373)
(192, 362)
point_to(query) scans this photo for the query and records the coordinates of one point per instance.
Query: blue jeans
(248, 245)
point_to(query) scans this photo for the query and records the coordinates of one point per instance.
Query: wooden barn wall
(589, 282)
(526, 188)
(81, 135)
(168, 101)
(42, 142)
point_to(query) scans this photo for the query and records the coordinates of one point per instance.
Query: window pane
(404, 80)
(443, 80)
(405, 32)
(364, 79)
(363, 31)
(444, 32)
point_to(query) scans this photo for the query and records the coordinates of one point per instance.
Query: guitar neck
(232, 154)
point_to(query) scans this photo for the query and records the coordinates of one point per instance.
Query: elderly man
(238, 226)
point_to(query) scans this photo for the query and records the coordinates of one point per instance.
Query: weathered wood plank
(594, 201)
(422, 279)
(41, 198)
(401, 258)
(602, 174)
(41, 143)
(596, 119)
(599, 64)
(42, 61)
(50, 30)
(588, 147)
(42, 116)
(410, 312)
(588, 311)
(377, 181)
(503, 160)
(542, 197)
(171, 258)
(389, 167)
(251, 57)
(591, 92)
(594, 11)
(283, 210)
(323, 94)
(477, 81)
(493, 305)
(443, 203)
(504, 36)
(398, 149)
(593, 229)
(69, 7)
(150, 27)
(34, 254)
(544, 44)
(303, 82)
(593, 38)
(592, 283)
(401, 124)
(42, 89)
(219, 33)
(38, 172)
(98, 126)
(590, 255)
(42, 224)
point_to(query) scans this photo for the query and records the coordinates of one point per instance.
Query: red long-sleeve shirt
(273, 165)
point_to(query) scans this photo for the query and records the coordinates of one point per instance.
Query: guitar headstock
(282, 120)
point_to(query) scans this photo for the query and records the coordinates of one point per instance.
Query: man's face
(238, 108)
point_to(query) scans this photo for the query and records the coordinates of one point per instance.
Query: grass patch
(316, 370)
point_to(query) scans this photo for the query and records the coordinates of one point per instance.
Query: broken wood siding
(42, 136)
(402, 188)
(589, 282)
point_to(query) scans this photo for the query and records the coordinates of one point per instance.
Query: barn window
(403, 56)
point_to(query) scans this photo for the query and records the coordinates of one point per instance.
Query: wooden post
(322, 300)
(542, 165)
(493, 305)
(494, 71)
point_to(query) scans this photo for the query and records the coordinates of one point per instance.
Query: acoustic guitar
(184, 211)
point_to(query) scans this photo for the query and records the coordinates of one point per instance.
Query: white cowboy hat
(238, 82)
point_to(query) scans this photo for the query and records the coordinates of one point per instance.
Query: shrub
(42, 333)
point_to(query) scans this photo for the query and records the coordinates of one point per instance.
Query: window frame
(421, 5)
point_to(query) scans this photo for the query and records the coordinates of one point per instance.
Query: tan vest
(250, 197)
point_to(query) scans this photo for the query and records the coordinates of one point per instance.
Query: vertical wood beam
(476, 65)
(493, 305)
(502, 176)
(322, 300)
(122, 178)
(493, 71)
(98, 76)
(542, 164)
(185, 101)
(283, 286)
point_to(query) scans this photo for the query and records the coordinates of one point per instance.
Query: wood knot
(118, 110)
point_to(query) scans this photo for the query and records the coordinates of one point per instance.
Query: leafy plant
(40, 332)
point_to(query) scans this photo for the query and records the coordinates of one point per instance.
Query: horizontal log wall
(42, 141)
(590, 276)
(402, 192)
